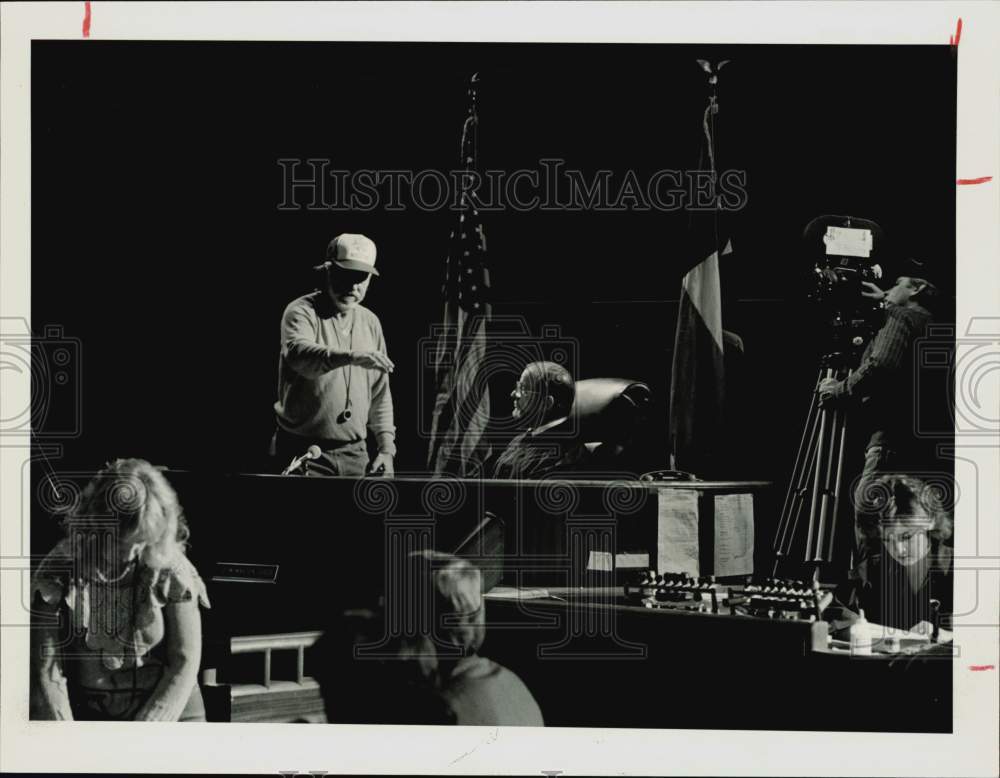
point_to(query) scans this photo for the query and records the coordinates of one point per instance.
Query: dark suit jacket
(535, 454)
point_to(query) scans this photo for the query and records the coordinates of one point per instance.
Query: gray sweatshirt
(314, 372)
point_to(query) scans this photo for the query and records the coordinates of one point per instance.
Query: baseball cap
(352, 252)
(915, 267)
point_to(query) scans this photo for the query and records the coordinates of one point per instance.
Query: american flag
(458, 445)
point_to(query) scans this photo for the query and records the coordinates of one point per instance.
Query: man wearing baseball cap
(333, 372)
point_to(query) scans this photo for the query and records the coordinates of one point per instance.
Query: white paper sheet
(513, 593)
(631, 561)
(879, 632)
(848, 242)
(602, 561)
(733, 534)
(677, 531)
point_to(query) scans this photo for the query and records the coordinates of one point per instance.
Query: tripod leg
(785, 529)
(821, 450)
(837, 484)
(825, 519)
(802, 488)
(794, 483)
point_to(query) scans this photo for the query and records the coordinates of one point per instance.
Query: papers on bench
(513, 593)
(733, 534)
(878, 632)
(677, 531)
(677, 548)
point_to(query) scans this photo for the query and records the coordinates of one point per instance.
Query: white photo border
(268, 749)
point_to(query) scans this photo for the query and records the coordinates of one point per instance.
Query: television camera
(844, 252)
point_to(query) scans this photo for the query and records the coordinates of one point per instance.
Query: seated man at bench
(543, 399)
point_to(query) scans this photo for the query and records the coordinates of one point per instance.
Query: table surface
(907, 643)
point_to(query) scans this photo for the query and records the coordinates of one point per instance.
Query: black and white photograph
(418, 369)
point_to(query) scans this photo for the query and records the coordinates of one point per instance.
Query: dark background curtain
(158, 242)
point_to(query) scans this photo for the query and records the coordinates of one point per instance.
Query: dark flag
(458, 445)
(697, 385)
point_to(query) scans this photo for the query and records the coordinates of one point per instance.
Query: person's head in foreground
(443, 643)
(543, 393)
(446, 592)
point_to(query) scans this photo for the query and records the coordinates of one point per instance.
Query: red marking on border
(967, 181)
(86, 19)
(954, 39)
(980, 668)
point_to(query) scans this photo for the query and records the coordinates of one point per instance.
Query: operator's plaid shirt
(881, 369)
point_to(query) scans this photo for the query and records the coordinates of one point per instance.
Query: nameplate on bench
(245, 572)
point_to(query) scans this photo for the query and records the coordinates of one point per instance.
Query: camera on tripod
(844, 252)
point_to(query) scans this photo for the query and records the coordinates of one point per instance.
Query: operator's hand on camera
(829, 391)
(373, 360)
(871, 291)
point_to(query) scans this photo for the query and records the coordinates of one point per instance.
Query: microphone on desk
(313, 452)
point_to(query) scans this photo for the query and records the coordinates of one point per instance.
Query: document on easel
(733, 534)
(677, 531)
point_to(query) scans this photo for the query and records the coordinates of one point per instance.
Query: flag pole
(697, 374)
(458, 444)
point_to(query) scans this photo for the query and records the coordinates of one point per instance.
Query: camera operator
(883, 387)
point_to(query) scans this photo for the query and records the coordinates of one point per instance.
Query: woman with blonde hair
(117, 631)
(903, 578)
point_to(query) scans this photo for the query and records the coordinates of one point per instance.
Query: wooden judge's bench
(284, 555)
